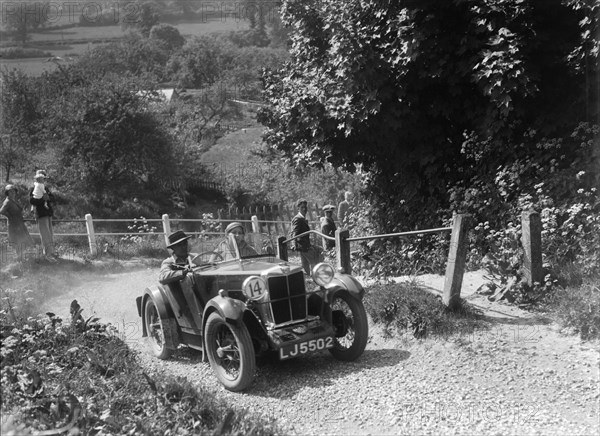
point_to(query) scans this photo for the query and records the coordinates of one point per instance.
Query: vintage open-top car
(234, 307)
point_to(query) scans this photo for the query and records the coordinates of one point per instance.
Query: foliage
(406, 307)
(141, 15)
(20, 20)
(168, 35)
(578, 308)
(84, 375)
(18, 116)
(387, 74)
(110, 145)
(251, 175)
(393, 256)
(132, 56)
(201, 61)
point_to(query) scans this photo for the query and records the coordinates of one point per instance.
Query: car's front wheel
(156, 328)
(230, 352)
(350, 319)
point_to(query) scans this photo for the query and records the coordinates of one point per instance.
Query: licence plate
(293, 350)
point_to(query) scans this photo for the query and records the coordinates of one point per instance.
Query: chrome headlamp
(323, 274)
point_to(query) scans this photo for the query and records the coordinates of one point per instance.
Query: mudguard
(230, 309)
(157, 293)
(345, 282)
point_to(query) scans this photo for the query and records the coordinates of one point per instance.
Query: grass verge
(81, 378)
(407, 308)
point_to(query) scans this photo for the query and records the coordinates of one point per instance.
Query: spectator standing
(44, 214)
(328, 226)
(309, 254)
(343, 209)
(18, 236)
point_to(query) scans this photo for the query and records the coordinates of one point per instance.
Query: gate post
(166, 227)
(282, 252)
(532, 247)
(342, 251)
(255, 224)
(89, 225)
(457, 257)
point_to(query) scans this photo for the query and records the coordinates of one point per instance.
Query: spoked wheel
(155, 327)
(350, 320)
(230, 353)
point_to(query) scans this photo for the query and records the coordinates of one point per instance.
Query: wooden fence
(279, 224)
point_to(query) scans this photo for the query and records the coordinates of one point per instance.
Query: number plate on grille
(293, 350)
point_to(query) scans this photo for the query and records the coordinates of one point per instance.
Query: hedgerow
(82, 378)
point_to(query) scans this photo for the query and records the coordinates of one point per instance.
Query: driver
(172, 268)
(225, 251)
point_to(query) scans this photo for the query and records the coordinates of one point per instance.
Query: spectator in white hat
(44, 214)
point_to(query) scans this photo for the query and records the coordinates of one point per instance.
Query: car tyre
(157, 329)
(350, 346)
(230, 353)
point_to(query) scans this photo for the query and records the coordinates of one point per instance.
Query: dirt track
(519, 377)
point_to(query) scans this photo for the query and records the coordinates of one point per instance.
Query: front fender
(345, 282)
(157, 293)
(230, 309)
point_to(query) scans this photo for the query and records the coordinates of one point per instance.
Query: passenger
(225, 251)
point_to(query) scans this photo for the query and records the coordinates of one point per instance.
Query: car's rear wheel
(230, 352)
(350, 314)
(156, 330)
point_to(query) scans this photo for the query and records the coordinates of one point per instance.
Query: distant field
(57, 41)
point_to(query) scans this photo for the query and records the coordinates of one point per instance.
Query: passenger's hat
(299, 202)
(9, 188)
(233, 225)
(40, 173)
(329, 208)
(177, 237)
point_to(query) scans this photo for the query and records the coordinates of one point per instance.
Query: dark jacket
(328, 228)
(299, 226)
(40, 204)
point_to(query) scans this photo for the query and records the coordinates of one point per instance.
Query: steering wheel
(216, 254)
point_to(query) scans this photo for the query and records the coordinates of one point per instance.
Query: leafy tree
(141, 15)
(168, 35)
(201, 61)
(396, 86)
(21, 18)
(18, 118)
(134, 55)
(110, 145)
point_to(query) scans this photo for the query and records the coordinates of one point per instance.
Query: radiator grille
(288, 298)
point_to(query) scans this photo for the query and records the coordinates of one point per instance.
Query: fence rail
(531, 241)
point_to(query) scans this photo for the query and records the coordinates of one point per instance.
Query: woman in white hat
(44, 214)
(18, 236)
(226, 251)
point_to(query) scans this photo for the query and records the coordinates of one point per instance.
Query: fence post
(89, 224)
(166, 227)
(532, 247)
(282, 248)
(255, 224)
(342, 251)
(457, 257)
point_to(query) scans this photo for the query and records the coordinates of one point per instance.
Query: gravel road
(519, 376)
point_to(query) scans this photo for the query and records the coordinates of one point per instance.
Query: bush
(407, 307)
(83, 375)
(578, 308)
